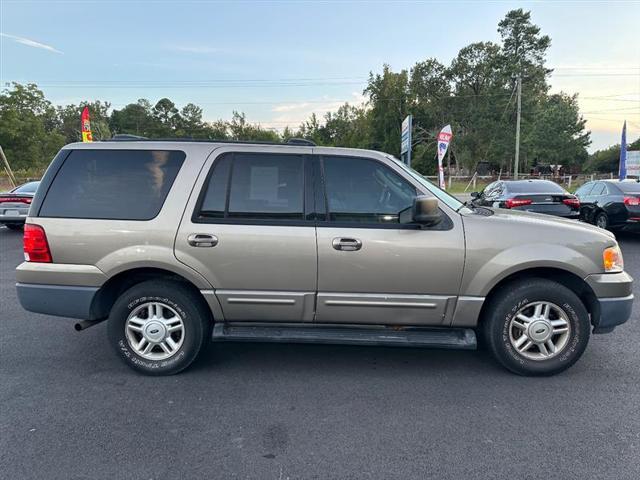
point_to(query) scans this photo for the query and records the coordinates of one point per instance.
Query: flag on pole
(444, 138)
(86, 126)
(622, 173)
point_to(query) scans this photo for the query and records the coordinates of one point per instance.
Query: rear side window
(599, 189)
(258, 186)
(112, 184)
(585, 189)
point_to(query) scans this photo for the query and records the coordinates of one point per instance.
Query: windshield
(441, 195)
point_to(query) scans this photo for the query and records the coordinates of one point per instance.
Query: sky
(280, 61)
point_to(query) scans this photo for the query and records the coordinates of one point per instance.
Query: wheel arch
(109, 292)
(570, 280)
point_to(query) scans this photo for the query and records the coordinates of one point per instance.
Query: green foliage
(29, 127)
(474, 93)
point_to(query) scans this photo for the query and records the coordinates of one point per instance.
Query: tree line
(475, 93)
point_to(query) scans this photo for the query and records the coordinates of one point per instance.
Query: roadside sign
(405, 139)
(633, 163)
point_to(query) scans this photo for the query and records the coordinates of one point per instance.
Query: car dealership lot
(70, 409)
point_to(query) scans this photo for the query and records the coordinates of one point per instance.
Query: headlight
(612, 259)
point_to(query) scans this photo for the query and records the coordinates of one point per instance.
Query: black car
(611, 204)
(539, 196)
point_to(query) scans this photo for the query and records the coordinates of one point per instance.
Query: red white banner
(444, 138)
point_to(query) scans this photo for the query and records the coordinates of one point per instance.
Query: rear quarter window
(112, 184)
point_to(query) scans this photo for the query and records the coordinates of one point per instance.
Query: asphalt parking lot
(70, 409)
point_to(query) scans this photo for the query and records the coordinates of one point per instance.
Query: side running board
(454, 338)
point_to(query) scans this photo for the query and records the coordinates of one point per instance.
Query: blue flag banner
(622, 174)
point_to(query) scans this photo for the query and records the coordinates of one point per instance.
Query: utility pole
(517, 159)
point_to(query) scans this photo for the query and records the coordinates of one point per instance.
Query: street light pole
(517, 159)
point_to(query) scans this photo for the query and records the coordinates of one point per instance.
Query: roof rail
(301, 141)
(125, 137)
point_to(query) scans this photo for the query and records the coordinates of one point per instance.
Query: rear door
(249, 230)
(373, 269)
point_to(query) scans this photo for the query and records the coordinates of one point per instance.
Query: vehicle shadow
(319, 359)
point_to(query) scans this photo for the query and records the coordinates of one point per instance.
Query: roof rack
(125, 137)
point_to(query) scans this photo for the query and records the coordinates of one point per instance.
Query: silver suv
(177, 243)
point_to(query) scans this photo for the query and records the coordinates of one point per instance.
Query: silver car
(177, 243)
(14, 205)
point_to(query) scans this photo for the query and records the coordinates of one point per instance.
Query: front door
(246, 231)
(371, 268)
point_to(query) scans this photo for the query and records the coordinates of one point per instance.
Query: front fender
(485, 271)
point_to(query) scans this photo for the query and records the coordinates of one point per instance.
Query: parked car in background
(537, 196)
(611, 204)
(178, 242)
(14, 205)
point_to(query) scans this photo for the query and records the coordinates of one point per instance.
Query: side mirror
(425, 211)
(475, 195)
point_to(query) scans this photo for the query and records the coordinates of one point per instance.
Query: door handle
(202, 240)
(347, 244)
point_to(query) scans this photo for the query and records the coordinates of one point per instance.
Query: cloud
(31, 43)
(293, 114)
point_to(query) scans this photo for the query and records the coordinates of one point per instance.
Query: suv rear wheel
(159, 327)
(536, 327)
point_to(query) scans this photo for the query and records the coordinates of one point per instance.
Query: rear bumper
(613, 312)
(59, 300)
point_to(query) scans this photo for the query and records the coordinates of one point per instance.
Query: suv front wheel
(536, 327)
(159, 327)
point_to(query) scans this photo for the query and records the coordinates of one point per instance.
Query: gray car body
(291, 274)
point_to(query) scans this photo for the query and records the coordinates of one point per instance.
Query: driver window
(360, 190)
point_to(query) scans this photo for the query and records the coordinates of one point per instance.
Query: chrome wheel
(539, 331)
(155, 331)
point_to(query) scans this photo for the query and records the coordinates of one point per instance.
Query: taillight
(632, 201)
(572, 202)
(26, 200)
(515, 202)
(36, 247)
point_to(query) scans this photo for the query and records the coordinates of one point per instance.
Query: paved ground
(70, 409)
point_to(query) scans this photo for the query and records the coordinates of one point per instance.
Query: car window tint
(361, 190)
(214, 201)
(599, 189)
(585, 189)
(266, 186)
(112, 184)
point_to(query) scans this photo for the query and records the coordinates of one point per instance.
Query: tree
(28, 127)
(389, 102)
(608, 159)
(557, 134)
(167, 118)
(69, 117)
(135, 119)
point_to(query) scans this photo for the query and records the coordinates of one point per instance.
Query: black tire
(15, 226)
(194, 312)
(506, 304)
(601, 220)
